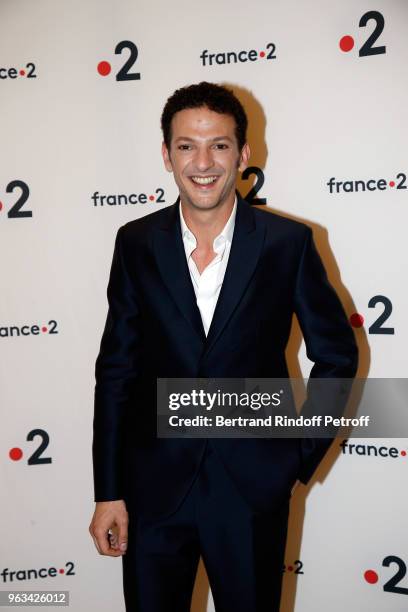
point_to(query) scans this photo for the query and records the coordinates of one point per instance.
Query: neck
(207, 224)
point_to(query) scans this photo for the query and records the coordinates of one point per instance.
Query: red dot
(404, 453)
(1, 205)
(371, 576)
(356, 320)
(262, 53)
(15, 453)
(104, 68)
(290, 568)
(22, 72)
(44, 329)
(151, 198)
(346, 43)
(62, 571)
(392, 183)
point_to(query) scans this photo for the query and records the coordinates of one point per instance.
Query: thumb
(123, 537)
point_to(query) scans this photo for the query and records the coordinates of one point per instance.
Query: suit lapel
(171, 260)
(169, 251)
(246, 246)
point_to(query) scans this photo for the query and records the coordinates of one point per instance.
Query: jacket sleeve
(330, 344)
(116, 369)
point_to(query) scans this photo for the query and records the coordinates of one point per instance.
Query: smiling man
(206, 288)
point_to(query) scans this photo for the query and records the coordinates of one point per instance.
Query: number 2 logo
(251, 196)
(23, 192)
(124, 74)
(377, 327)
(392, 586)
(346, 43)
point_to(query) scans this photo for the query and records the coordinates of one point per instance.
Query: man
(205, 288)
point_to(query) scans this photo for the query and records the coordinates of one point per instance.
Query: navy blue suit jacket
(154, 329)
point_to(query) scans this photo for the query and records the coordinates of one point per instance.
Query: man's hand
(294, 487)
(109, 528)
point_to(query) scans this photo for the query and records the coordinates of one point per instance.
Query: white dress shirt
(207, 285)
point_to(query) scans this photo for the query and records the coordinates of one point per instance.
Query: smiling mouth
(204, 180)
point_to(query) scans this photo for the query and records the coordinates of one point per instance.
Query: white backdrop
(317, 112)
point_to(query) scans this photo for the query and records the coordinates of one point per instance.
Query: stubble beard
(224, 195)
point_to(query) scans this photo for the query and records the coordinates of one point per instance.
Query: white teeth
(203, 180)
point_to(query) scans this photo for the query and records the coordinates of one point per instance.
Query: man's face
(204, 157)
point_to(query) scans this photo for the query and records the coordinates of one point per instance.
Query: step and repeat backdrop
(82, 87)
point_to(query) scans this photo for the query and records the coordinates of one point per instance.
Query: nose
(203, 159)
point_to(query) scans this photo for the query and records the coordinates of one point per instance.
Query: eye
(184, 147)
(221, 146)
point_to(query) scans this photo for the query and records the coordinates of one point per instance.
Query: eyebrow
(216, 139)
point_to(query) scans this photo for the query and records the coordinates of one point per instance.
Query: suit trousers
(242, 550)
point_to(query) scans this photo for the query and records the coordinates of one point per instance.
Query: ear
(166, 158)
(244, 157)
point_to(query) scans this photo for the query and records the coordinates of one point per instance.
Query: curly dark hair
(215, 97)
